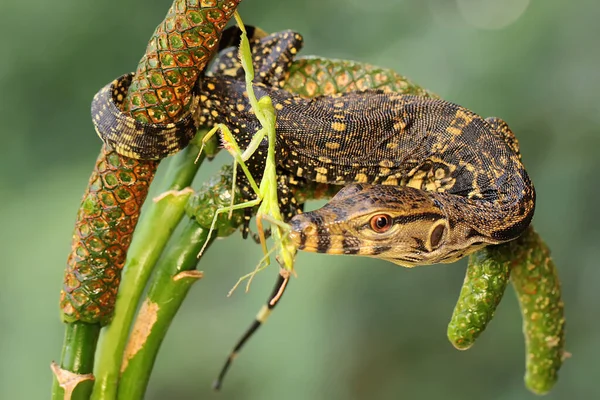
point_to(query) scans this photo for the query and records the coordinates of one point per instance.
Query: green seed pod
(485, 281)
(215, 194)
(315, 76)
(537, 285)
(534, 277)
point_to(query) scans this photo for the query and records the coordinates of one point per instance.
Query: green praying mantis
(266, 192)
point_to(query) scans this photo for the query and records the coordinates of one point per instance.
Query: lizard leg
(272, 55)
(227, 62)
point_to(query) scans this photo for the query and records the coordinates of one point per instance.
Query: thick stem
(174, 277)
(146, 247)
(72, 378)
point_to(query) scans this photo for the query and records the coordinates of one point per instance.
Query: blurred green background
(349, 328)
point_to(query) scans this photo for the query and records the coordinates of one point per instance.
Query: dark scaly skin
(315, 235)
(386, 138)
(392, 139)
(94, 266)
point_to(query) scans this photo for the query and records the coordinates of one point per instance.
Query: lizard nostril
(301, 228)
(309, 229)
(301, 224)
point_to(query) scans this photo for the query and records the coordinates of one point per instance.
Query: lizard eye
(381, 223)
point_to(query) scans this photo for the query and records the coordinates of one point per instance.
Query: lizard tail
(260, 319)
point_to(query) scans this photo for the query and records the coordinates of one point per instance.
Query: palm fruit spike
(105, 222)
(483, 288)
(182, 44)
(315, 76)
(537, 285)
(177, 53)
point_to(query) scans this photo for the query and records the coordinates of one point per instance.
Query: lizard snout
(302, 227)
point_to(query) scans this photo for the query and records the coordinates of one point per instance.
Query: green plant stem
(77, 357)
(172, 280)
(146, 247)
(167, 293)
(175, 274)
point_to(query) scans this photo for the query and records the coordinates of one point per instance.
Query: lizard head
(406, 226)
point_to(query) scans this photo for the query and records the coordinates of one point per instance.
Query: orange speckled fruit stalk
(105, 222)
(178, 51)
(161, 90)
